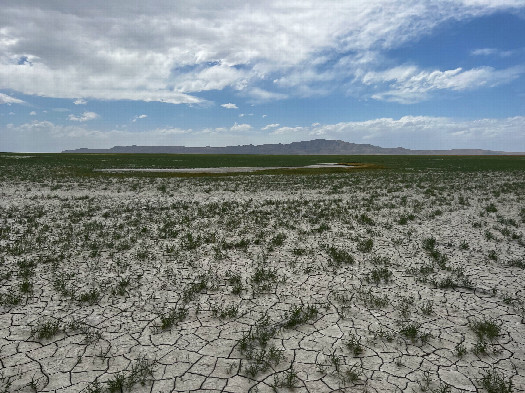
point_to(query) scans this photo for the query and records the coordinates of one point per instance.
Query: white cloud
(240, 127)
(229, 106)
(260, 95)
(139, 117)
(5, 99)
(409, 84)
(166, 51)
(80, 101)
(86, 116)
(32, 113)
(270, 126)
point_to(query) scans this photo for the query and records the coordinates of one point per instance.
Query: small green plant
(354, 345)
(90, 297)
(263, 279)
(364, 219)
(339, 257)
(46, 329)
(230, 311)
(26, 287)
(480, 348)
(278, 240)
(486, 329)
(427, 308)
(429, 244)
(288, 381)
(516, 263)
(495, 382)
(379, 275)
(365, 245)
(491, 208)
(172, 318)
(235, 280)
(117, 383)
(460, 350)
(299, 315)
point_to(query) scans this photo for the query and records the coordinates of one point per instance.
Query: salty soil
(377, 282)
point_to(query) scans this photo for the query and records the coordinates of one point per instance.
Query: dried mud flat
(377, 282)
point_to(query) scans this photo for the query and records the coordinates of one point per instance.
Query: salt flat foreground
(377, 282)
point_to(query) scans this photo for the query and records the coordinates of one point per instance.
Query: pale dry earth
(377, 282)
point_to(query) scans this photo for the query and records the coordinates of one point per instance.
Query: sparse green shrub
(365, 245)
(460, 350)
(91, 297)
(495, 382)
(46, 329)
(289, 380)
(429, 244)
(379, 275)
(278, 240)
(172, 317)
(235, 281)
(365, 219)
(516, 263)
(354, 345)
(299, 315)
(263, 279)
(427, 308)
(340, 257)
(486, 329)
(491, 208)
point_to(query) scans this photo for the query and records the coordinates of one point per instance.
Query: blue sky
(418, 74)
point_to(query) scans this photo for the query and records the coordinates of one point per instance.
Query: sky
(418, 74)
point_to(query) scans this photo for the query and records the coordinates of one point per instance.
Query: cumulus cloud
(5, 99)
(32, 113)
(167, 51)
(139, 117)
(86, 116)
(80, 101)
(240, 127)
(270, 126)
(229, 106)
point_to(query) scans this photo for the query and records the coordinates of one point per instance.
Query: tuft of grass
(486, 329)
(235, 281)
(364, 219)
(288, 381)
(354, 345)
(46, 329)
(299, 315)
(90, 297)
(339, 257)
(172, 318)
(494, 382)
(365, 245)
(491, 208)
(379, 275)
(263, 279)
(427, 308)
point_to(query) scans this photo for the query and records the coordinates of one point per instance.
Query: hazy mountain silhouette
(313, 147)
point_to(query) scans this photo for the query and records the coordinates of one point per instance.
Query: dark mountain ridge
(313, 147)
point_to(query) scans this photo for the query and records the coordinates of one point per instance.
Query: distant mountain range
(314, 147)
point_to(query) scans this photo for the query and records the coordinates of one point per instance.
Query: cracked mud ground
(376, 282)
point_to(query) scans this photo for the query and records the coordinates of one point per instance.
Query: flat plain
(399, 274)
